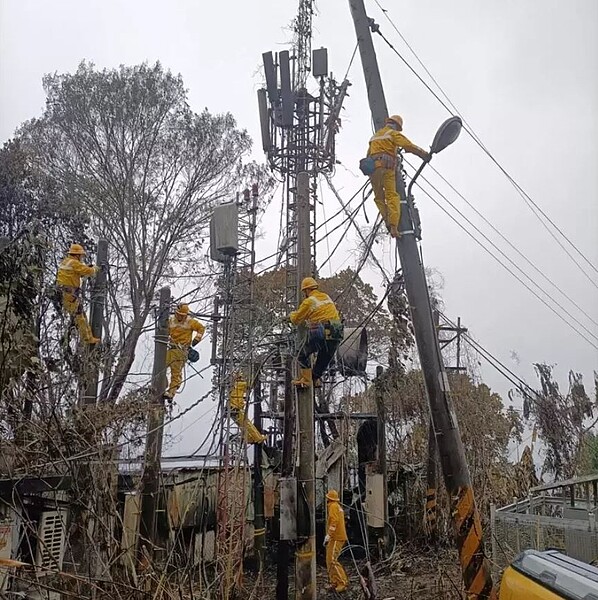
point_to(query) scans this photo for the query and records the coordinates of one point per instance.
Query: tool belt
(173, 346)
(67, 289)
(326, 330)
(385, 161)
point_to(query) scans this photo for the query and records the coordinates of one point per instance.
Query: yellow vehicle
(548, 575)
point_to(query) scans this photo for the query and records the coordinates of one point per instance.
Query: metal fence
(542, 523)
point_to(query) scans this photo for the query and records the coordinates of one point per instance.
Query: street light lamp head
(447, 133)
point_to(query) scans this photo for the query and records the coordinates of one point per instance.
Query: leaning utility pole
(96, 319)
(466, 518)
(150, 481)
(305, 556)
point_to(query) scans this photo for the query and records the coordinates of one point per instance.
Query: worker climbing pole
(381, 166)
(68, 281)
(185, 332)
(238, 412)
(324, 332)
(465, 515)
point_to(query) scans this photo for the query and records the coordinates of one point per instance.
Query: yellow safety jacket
(336, 522)
(181, 332)
(387, 141)
(71, 270)
(316, 308)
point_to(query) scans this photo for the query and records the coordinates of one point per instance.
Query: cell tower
(298, 130)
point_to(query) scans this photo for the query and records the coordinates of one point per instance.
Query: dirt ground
(408, 575)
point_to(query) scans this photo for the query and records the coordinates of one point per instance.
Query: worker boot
(93, 340)
(394, 233)
(304, 379)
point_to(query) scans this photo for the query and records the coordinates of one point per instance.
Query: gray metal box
(374, 489)
(224, 232)
(288, 508)
(320, 62)
(352, 354)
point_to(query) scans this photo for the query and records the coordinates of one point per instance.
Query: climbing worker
(336, 538)
(325, 332)
(383, 149)
(184, 332)
(237, 405)
(68, 282)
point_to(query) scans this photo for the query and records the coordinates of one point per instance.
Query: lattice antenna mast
(232, 244)
(298, 128)
(303, 32)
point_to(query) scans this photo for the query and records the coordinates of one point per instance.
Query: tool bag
(367, 165)
(336, 331)
(316, 332)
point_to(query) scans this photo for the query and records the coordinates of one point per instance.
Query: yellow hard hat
(77, 250)
(397, 120)
(182, 309)
(332, 495)
(309, 283)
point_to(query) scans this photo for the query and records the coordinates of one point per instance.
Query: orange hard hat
(182, 309)
(397, 120)
(332, 495)
(309, 283)
(77, 250)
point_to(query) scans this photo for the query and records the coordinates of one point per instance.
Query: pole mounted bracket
(374, 27)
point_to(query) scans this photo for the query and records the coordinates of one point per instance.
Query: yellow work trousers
(336, 574)
(72, 305)
(175, 361)
(252, 435)
(386, 197)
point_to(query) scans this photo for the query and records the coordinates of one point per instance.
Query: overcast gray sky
(522, 72)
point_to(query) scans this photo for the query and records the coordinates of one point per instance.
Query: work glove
(326, 539)
(195, 342)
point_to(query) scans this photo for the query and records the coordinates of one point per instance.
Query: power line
(517, 381)
(538, 270)
(524, 195)
(345, 207)
(452, 217)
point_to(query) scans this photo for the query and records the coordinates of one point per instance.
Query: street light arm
(414, 178)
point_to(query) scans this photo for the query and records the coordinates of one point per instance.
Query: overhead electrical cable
(513, 247)
(532, 205)
(468, 232)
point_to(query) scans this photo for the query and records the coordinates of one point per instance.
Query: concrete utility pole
(381, 446)
(96, 320)
(305, 556)
(466, 518)
(259, 526)
(286, 470)
(150, 481)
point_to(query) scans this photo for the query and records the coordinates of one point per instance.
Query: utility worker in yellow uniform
(184, 332)
(237, 405)
(325, 332)
(383, 149)
(336, 538)
(68, 281)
